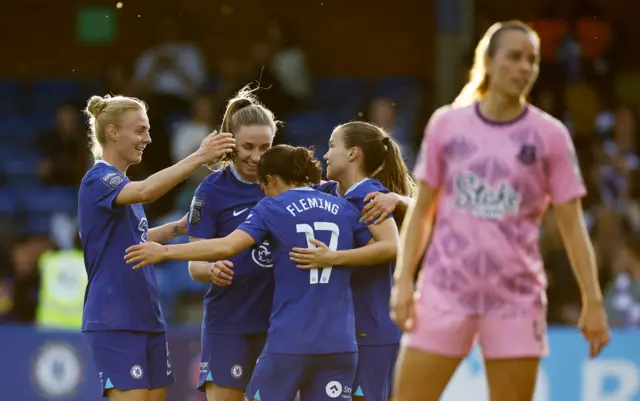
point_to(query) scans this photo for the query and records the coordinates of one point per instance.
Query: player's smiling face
(337, 156)
(251, 143)
(515, 66)
(132, 136)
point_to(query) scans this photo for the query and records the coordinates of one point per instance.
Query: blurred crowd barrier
(54, 365)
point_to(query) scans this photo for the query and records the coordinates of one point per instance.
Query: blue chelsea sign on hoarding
(38, 365)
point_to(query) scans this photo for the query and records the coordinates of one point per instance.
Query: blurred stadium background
(320, 63)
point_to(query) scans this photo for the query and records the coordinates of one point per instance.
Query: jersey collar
(232, 166)
(356, 185)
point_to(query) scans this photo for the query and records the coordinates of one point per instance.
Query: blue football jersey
(371, 285)
(117, 297)
(223, 201)
(312, 309)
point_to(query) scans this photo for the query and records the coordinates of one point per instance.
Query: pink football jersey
(496, 181)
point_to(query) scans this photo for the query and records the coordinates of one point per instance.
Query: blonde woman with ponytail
(489, 166)
(236, 317)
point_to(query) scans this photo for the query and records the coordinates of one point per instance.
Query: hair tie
(386, 140)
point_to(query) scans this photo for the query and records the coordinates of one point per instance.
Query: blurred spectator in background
(545, 98)
(620, 159)
(382, 112)
(6, 273)
(563, 292)
(231, 75)
(188, 134)
(24, 283)
(171, 72)
(115, 80)
(186, 139)
(582, 107)
(63, 280)
(288, 61)
(622, 296)
(65, 150)
(168, 76)
(271, 90)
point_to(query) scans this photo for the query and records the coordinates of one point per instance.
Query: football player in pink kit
(489, 166)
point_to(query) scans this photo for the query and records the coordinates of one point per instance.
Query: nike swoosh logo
(239, 212)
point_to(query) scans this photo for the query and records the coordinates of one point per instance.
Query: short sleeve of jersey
(429, 166)
(107, 183)
(362, 235)
(564, 177)
(368, 187)
(203, 218)
(255, 224)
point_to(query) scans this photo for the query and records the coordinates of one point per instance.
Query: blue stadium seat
(44, 122)
(312, 128)
(47, 94)
(342, 95)
(11, 95)
(7, 204)
(21, 166)
(17, 129)
(44, 201)
(37, 225)
(406, 92)
(396, 87)
(87, 89)
(21, 172)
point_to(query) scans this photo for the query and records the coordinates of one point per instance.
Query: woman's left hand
(378, 207)
(312, 258)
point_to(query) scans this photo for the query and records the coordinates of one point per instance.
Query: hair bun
(302, 153)
(96, 105)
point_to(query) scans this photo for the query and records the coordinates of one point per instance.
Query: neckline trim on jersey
(485, 120)
(99, 161)
(302, 189)
(356, 185)
(232, 166)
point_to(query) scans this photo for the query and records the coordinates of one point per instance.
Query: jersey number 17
(309, 233)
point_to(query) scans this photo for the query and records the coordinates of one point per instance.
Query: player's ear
(271, 180)
(353, 153)
(111, 132)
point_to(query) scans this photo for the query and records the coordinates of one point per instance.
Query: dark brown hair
(381, 156)
(294, 165)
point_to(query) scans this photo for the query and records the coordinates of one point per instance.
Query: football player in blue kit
(122, 318)
(357, 152)
(311, 344)
(236, 317)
